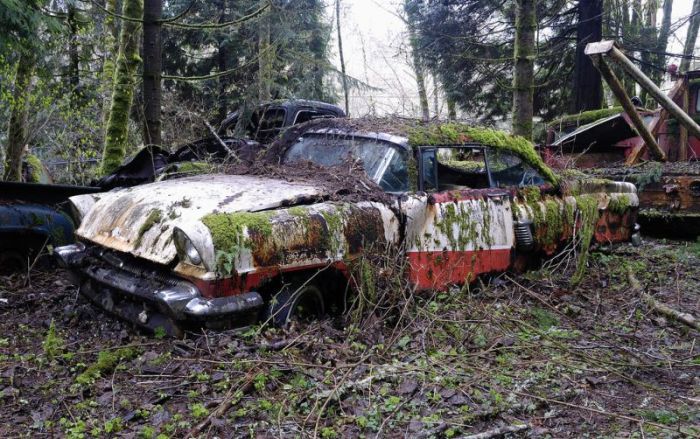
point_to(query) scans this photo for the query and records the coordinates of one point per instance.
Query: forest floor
(526, 354)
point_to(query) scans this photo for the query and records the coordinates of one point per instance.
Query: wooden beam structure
(619, 90)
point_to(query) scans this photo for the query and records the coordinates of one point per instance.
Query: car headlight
(186, 248)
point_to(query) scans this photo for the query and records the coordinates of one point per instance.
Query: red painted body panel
(440, 269)
(466, 194)
(235, 285)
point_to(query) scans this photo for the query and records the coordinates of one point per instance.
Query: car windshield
(383, 162)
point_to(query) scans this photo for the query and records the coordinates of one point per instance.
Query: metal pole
(666, 102)
(619, 91)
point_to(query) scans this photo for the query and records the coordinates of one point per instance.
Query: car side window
(266, 126)
(307, 115)
(450, 168)
(510, 170)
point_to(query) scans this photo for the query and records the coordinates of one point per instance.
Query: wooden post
(646, 83)
(619, 90)
(682, 130)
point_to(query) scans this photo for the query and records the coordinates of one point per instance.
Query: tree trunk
(451, 109)
(691, 37)
(123, 89)
(629, 36)
(648, 38)
(587, 83)
(222, 58)
(659, 58)
(523, 79)
(317, 48)
(110, 49)
(418, 69)
(73, 57)
(17, 132)
(346, 90)
(436, 103)
(152, 70)
(265, 59)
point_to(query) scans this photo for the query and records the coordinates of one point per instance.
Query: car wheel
(301, 303)
(12, 261)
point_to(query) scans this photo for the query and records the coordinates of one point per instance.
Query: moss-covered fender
(605, 209)
(283, 239)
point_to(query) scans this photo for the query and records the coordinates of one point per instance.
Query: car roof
(373, 135)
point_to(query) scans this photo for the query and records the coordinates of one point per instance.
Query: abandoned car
(33, 215)
(453, 201)
(266, 122)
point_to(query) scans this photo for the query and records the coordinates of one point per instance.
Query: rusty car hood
(140, 220)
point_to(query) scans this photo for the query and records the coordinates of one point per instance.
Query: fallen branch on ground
(665, 310)
(378, 373)
(682, 317)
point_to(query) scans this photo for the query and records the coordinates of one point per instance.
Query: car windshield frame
(401, 152)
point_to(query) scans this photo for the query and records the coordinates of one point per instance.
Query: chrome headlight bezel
(186, 249)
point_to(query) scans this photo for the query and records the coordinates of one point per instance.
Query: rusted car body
(213, 248)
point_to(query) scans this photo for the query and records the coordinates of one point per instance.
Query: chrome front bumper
(148, 297)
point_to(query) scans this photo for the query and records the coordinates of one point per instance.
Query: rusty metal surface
(307, 236)
(673, 194)
(669, 187)
(609, 226)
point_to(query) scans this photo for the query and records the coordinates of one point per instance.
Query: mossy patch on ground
(106, 362)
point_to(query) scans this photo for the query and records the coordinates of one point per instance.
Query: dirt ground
(526, 354)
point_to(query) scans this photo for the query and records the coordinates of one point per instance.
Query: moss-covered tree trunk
(128, 61)
(17, 132)
(524, 79)
(110, 49)
(691, 37)
(152, 70)
(74, 57)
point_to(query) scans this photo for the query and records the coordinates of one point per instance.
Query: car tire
(12, 261)
(303, 302)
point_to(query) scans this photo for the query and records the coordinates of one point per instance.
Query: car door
(457, 226)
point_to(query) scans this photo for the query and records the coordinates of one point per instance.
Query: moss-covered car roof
(419, 133)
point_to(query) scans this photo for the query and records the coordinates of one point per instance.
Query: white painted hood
(120, 219)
